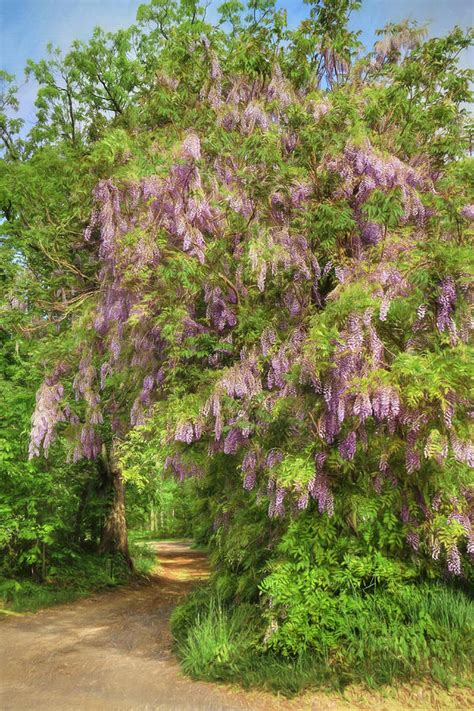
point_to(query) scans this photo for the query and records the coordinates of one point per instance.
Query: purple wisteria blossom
(192, 146)
(347, 447)
(413, 540)
(48, 413)
(234, 439)
(446, 302)
(257, 262)
(320, 491)
(454, 561)
(468, 212)
(364, 171)
(218, 310)
(463, 450)
(91, 442)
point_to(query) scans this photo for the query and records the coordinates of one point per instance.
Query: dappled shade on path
(113, 652)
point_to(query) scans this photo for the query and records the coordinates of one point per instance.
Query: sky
(26, 26)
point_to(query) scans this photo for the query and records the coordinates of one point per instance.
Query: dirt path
(112, 652)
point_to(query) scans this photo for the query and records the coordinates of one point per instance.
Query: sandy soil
(112, 652)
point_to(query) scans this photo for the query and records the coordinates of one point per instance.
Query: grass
(221, 644)
(427, 632)
(82, 575)
(144, 558)
(220, 647)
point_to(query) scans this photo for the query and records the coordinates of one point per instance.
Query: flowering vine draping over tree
(283, 290)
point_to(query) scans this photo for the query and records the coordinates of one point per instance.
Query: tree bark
(114, 538)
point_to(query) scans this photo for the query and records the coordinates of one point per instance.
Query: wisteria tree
(281, 305)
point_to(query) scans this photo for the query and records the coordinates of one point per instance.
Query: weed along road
(113, 652)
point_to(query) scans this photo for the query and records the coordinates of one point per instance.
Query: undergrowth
(81, 575)
(382, 638)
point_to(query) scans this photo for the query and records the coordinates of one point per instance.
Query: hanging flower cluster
(48, 412)
(230, 248)
(363, 171)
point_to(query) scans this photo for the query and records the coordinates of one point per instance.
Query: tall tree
(267, 289)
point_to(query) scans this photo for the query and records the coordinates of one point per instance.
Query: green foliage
(9, 125)
(163, 508)
(215, 642)
(378, 638)
(78, 574)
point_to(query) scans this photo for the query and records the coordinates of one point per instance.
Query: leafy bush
(378, 639)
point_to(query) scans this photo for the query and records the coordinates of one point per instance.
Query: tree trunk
(114, 537)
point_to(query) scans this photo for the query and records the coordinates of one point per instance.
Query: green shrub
(377, 638)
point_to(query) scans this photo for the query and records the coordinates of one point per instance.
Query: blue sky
(26, 26)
